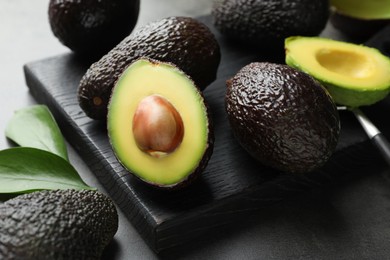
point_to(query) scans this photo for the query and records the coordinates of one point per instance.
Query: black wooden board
(232, 185)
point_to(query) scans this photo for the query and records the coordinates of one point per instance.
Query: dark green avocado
(92, 27)
(183, 41)
(59, 224)
(266, 22)
(283, 117)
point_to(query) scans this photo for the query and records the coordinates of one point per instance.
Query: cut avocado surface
(355, 75)
(363, 9)
(158, 124)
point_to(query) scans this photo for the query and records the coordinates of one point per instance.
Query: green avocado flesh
(355, 75)
(363, 9)
(283, 117)
(158, 124)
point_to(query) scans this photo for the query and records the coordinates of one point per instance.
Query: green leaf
(36, 127)
(25, 169)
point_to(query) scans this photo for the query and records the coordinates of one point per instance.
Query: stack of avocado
(148, 89)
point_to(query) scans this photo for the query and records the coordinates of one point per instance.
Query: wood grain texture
(232, 185)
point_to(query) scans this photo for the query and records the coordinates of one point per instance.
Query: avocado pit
(157, 126)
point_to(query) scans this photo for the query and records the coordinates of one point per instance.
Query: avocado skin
(282, 117)
(268, 22)
(92, 27)
(59, 224)
(183, 41)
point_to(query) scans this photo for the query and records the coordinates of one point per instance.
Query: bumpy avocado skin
(183, 41)
(282, 117)
(269, 21)
(60, 224)
(92, 27)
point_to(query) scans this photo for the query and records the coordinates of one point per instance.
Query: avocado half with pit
(355, 75)
(159, 125)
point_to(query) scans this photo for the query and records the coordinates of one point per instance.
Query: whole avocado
(92, 27)
(59, 224)
(283, 117)
(267, 22)
(183, 41)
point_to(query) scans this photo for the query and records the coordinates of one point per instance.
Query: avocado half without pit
(355, 75)
(360, 19)
(158, 124)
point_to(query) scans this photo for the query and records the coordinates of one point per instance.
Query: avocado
(360, 19)
(158, 124)
(355, 75)
(356, 29)
(57, 224)
(266, 22)
(283, 117)
(183, 41)
(363, 9)
(92, 27)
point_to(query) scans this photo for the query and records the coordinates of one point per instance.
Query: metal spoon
(376, 136)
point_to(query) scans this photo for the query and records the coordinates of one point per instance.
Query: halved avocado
(158, 124)
(355, 75)
(360, 18)
(363, 9)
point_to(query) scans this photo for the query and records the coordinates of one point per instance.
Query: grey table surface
(346, 222)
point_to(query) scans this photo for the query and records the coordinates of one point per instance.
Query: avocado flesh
(92, 28)
(363, 9)
(183, 41)
(355, 75)
(145, 78)
(283, 117)
(57, 224)
(269, 21)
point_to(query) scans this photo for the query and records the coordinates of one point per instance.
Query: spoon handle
(378, 139)
(383, 145)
